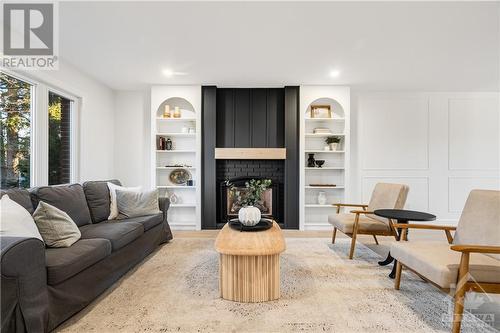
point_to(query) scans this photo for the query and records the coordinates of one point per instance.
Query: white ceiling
(452, 46)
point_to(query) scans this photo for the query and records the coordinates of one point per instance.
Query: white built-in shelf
(182, 205)
(176, 186)
(177, 134)
(319, 206)
(325, 187)
(324, 119)
(176, 119)
(325, 168)
(325, 151)
(176, 151)
(322, 135)
(175, 167)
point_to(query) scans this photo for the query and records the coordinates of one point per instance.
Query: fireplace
(230, 204)
(237, 173)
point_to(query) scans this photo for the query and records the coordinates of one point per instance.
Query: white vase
(249, 216)
(321, 198)
(333, 146)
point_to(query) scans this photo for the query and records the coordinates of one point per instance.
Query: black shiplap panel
(209, 137)
(292, 157)
(258, 109)
(225, 118)
(272, 118)
(242, 124)
(280, 122)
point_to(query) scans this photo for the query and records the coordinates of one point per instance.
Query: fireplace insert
(229, 205)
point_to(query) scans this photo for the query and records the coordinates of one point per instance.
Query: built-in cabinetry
(176, 117)
(320, 187)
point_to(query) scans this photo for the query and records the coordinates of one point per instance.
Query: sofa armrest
(476, 249)
(164, 204)
(24, 297)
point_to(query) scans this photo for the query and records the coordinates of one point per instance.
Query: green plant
(251, 194)
(332, 139)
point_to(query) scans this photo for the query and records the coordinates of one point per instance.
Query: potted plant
(249, 215)
(333, 142)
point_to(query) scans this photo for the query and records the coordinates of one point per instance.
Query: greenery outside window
(15, 131)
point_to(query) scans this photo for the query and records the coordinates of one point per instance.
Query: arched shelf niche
(186, 108)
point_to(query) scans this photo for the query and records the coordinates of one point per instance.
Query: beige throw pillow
(132, 204)
(55, 226)
(113, 206)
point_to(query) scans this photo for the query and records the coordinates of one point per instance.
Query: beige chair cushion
(345, 223)
(480, 220)
(387, 196)
(438, 263)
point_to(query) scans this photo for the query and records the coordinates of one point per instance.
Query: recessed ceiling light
(335, 73)
(169, 73)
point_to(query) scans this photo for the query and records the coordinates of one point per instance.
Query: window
(15, 131)
(59, 139)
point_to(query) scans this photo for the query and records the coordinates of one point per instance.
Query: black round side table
(403, 217)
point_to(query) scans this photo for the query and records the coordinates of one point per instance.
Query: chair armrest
(24, 301)
(476, 249)
(349, 205)
(424, 226)
(361, 212)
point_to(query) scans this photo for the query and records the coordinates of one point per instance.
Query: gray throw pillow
(55, 226)
(134, 203)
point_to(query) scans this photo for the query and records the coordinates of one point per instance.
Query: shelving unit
(185, 133)
(314, 216)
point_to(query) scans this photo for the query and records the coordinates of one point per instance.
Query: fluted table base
(249, 278)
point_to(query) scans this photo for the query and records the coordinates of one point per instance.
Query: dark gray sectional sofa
(42, 287)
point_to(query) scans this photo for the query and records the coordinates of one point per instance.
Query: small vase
(249, 216)
(177, 112)
(311, 161)
(174, 198)
(333, 146)
(169, 144)
(321, 198)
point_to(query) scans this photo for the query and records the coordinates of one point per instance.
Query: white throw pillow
(132, 203)
(16, 221)
(113, 206)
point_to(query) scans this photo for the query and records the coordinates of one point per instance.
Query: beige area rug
(176, 290)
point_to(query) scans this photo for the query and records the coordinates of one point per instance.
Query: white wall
(96, 137)
(132, 133)
(441, 144)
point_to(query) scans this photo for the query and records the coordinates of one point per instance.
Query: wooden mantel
(250, 153)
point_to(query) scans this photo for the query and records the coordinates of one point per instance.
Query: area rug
(176, 290)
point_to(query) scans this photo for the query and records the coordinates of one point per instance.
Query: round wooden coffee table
(249, 265)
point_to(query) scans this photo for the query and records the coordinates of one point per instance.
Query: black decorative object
(264, 224)
(320, 163)
(168, 144)
(311, 161)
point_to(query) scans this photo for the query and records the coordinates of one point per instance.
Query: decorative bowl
(320, 163)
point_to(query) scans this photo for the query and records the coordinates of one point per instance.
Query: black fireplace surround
(250, 118)
(237, 172)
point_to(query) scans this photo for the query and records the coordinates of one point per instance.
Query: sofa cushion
(21, 196)
(118, 233)
(69, 198)
(345, 223)
(63, 263)
(438, 263)
(97, 195)
(147, 222)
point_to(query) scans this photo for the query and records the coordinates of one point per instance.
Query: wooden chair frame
(356, 231)
(463, 284)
